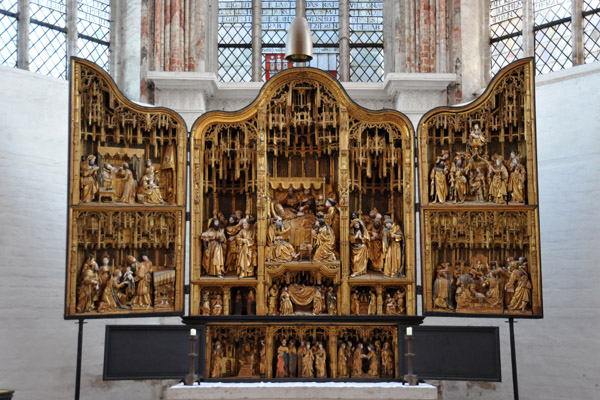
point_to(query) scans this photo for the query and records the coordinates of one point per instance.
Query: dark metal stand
(80, 322)
(192, 376)
(410, 377)
(513, 358)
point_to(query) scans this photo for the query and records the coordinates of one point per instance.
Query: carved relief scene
(126, 203)
(482, 262)
(482, 153)
(123, 154)
(303, 293)
(302, 181)
(480, 219)
(307, 352)
(123, 261)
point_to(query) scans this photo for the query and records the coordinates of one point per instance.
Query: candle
(192, 332)
(409, 331)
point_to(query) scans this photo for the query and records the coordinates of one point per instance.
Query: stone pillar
(126, 61)
(389, 19)
(71, 29)
(475, 41)
(528, 24)
(23, 35)
(344, 35)
(257, 40)
(577, 36)
(212, 36)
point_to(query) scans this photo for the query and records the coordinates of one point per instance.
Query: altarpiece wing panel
(127, 174)
(479, 196)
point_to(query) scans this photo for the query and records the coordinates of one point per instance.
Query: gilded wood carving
(300, 197)
(480, 219)
(126, 202)
(307, 351)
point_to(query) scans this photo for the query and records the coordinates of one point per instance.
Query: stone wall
(557, 356)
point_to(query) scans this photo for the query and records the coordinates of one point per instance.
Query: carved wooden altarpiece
(314, 198)
(127, 196)
(479, 197)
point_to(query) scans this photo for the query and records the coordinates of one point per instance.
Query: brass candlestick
(410, 377)
(192, 376)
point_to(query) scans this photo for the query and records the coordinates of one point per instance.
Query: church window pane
(47, 38)
(276, 19)
(591, 30)
(366, 41)
(553, 48)
(506, 25)
(8, 33)
(93, 27)
(324, 20)
(235, 40)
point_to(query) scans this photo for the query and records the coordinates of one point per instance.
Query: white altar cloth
(301, 391)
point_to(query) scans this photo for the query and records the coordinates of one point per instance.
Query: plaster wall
(37, 346)
(557, 356)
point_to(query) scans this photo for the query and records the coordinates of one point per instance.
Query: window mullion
(257, 40)
(577, 37)
(344, 40)
(23, 35)
(71, 30)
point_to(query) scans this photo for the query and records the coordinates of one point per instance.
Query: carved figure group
(374, 361)
(376, 244)
(303, 361)
(320, 299)
(107, 288)
(472, 176)
(480, 286)
(120, 184)
(231, 248)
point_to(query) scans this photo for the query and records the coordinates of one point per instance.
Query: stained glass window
(8, 33)
(366, 41)
(506, 25)
(235, 40)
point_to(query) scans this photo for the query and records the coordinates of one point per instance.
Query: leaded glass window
(276, 19)
(324, 20)
(8, 32)
(553, 49)
(506, 24)
(366, 41)
(591, 30)
(48, 38)
(235, 41)
(93, 28)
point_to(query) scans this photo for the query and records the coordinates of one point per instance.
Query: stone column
(577, 36)
(71, 29)
(126, 64)
(344, 34)
(23, 35)
(528, 25)
(256, 40)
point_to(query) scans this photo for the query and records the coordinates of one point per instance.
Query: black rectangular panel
(464, 353)
(134, 352)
